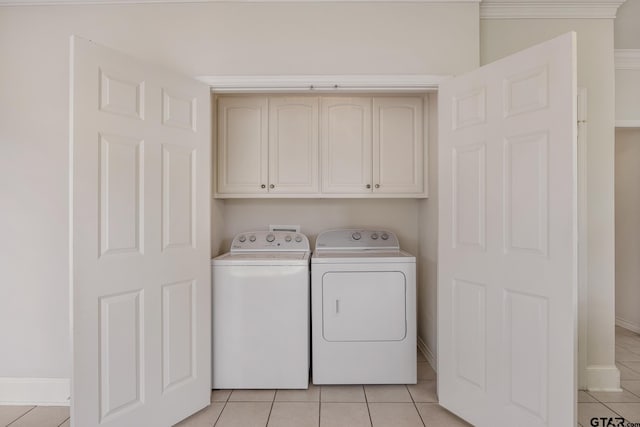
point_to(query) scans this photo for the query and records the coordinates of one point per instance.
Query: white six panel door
(507, 275)
(140, 185)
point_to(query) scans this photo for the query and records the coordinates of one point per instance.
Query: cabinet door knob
(272, 186)
(263, 186)
(368, 185)
(377, 185)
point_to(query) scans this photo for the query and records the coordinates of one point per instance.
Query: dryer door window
(364, 306)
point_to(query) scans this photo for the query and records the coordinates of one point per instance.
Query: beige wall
(596, 74)
(628, 94)
(628, 228)
(316, 215)
(197, 39)
(627, 25)
(627, 36)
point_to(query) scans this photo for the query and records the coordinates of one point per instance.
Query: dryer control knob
(385, 236)
(287, 238)
(374, 236)
(356, 236)
(252, 238)
(242, 238)
(298, 239)
(270, 238)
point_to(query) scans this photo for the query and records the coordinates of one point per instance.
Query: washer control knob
(242, 238)
(270, 238)
(385, 236)
(252, 238)
(356, 236)
(298, 239)
(287, 238)
(374, 236)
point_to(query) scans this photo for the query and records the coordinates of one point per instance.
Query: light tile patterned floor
(331, 406)
(366, 406)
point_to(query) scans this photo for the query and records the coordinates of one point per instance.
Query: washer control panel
(270, 241)
(357, 239)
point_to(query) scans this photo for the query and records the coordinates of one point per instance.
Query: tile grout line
(624, 389)
(624, 347)
(64, 421)
(271, 409)
(366, 400)
(635, 394)
(612, 410)
(21, 416)
(604, 404)
(414, 405)
(628, 349)
(319, 406)
(223, 408)
(629, 367)
(220, 414)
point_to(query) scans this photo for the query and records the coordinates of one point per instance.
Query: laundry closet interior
(258, 182)
(323, 159)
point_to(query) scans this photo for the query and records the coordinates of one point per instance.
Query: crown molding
(115, 2)
(549, 9)
(329, 83)
(627, 59)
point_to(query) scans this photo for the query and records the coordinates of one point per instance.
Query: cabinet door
(345, 140)
(293, 145)
(398, 145)
(242, 145)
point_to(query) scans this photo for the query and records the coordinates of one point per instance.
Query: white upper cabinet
(243, 145)
(326, 146)
(398, 148)
(346, 145)
(372, 145)
(293, 145)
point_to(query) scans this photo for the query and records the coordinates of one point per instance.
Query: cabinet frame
(427, 134)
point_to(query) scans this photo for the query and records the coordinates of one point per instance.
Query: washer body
(363, 314)
(261, 312)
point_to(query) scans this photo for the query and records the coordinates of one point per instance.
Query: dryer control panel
(270, 241)
(357, 239)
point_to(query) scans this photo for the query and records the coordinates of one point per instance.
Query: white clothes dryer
(261, 312)
(363, 309)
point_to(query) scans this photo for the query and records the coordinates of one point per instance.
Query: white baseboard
(35, 391)
(603, 378)
(633, 327)
(427, 353)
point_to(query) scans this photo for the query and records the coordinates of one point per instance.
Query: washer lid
(358, 257)
(253, 258)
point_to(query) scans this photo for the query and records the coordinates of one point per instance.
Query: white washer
(363, 309)
(261, 312)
